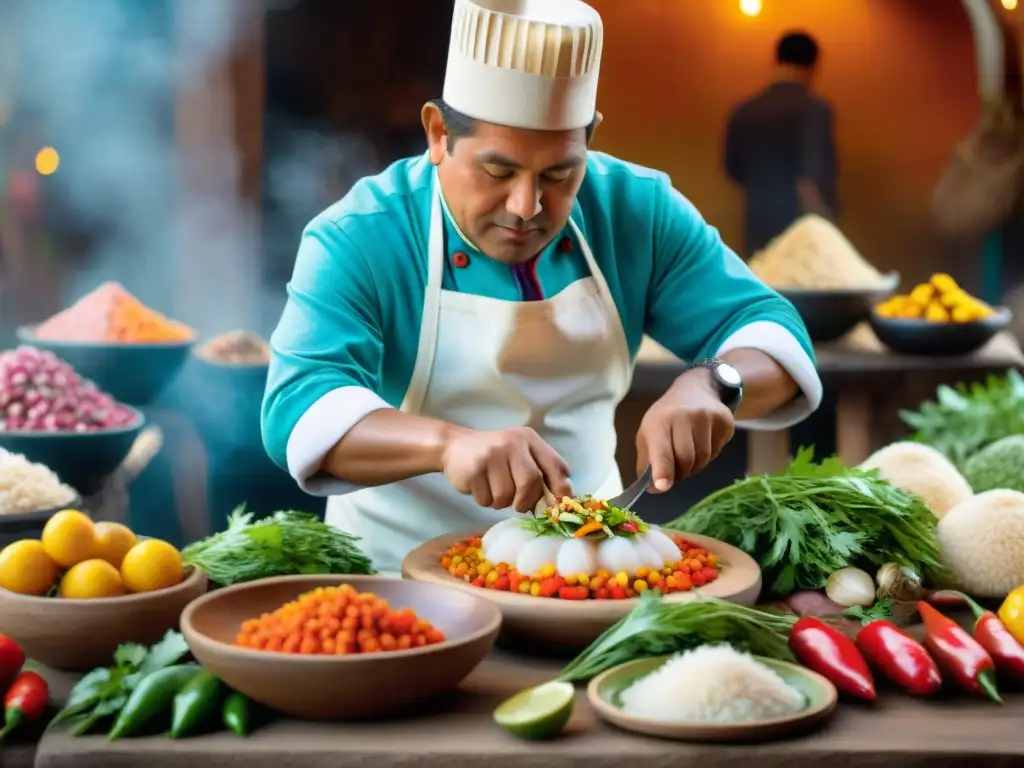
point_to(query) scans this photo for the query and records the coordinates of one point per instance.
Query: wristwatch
(727, 380)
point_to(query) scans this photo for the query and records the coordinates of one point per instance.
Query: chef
(460, 328)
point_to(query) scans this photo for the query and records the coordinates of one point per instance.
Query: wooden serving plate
(577, 623)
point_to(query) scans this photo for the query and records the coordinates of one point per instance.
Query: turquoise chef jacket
(347, 339)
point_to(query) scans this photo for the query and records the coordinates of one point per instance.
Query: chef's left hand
(684, 430)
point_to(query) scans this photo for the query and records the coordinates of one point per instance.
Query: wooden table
(868, 382)
(458, 731)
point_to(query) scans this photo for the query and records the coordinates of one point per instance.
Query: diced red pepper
(574, 593)
(502, 583)
(550, 587)
(618, 592)
(602, 593)
(628, 527)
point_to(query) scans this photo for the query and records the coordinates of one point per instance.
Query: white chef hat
(525, 63)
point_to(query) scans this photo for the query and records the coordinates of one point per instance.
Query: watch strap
(729, 390)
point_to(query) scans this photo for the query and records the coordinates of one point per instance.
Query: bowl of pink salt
(131, 352)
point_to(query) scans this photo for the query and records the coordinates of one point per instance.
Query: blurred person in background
(461, 328)
(780, 148)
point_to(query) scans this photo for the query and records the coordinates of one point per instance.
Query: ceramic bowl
(830, 315)
(912, 336)
(133, 374)
(604, 693)
(83, 460)
(357, 686)
(572, 624)
(83, 634)
(29, 525)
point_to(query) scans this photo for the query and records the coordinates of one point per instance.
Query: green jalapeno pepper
(196, 704)
(152, 698)
(237, 713)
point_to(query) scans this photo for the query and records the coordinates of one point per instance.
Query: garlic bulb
(898, 583)
(851, 586)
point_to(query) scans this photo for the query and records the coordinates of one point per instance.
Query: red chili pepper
(994, 637)
(629, 527)
(833, 655)
(11, 660)
(899, 657)
(26, 700)
(958, 653)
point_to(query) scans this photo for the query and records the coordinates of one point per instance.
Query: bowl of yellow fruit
(937, 317)
(70, 597)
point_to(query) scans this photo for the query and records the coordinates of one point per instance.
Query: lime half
(537, 713)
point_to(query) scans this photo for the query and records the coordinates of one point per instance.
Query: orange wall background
(900, 75)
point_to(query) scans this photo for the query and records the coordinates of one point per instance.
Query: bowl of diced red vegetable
(340, 647)
(54, 416)
(563, 578)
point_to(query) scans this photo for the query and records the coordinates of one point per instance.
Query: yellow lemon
(151, 564)
(25, 568)
(69, 537)
(113, 541)
(91, 579)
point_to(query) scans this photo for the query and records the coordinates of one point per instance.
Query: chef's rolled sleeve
(326, 353)
(704, 301)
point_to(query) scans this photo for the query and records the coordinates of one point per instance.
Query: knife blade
(632, 494)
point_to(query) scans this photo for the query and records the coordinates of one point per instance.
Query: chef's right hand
(505, 468)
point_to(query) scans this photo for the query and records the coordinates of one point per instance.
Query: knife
(631, 495)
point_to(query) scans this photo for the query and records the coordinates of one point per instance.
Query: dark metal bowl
(830, 315)
(914, 336)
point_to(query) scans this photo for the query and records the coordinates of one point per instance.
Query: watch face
(729, 375)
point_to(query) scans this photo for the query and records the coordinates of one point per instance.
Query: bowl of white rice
(713, 693)
(30, 494)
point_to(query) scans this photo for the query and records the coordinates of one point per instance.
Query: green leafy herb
(103, 691)
(964, 419)
(880, 610)
(812, 519)
(283, 544)
(566, 519)
(656, 627)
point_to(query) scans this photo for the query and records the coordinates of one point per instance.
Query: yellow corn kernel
(491, 577)
(944, 283)
(571, 580)
(641, 573)
(622, 578)
(654, 578)
(670, 582)
(936, 313)
(922, 294)
(547, 571)
(911, 311)
(525, 587)
(485, 568)
(640, 585)
(535, 589)
(597, 582)
(457, 559)
(603, 574)
(583, 580)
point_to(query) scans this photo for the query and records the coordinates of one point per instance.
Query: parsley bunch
(813, 519)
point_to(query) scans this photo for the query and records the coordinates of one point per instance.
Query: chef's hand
(505, 468)
(684, 430)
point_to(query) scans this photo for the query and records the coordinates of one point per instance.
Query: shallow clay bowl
(356, 686)
(604, 693)
(83, 634)
(576, 623)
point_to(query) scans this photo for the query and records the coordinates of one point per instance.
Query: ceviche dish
(581, 549)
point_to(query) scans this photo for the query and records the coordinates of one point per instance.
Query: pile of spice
(29, 487)
(235, 348)
(39, 392)
(338, 621)
(110, 314)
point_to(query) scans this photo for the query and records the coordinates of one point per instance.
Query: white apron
(560, 366)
